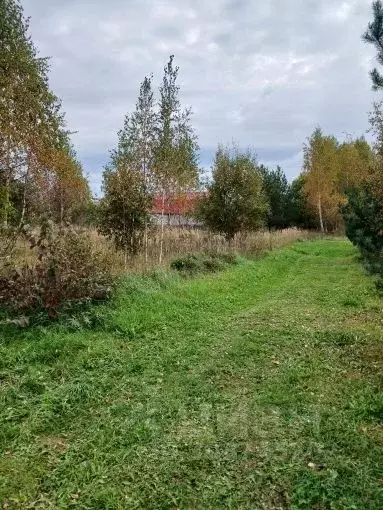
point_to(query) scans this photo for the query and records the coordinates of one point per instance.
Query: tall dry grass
(178, 241)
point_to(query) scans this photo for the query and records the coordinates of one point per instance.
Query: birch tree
(321, 169)
(137, 140)
(31, 119)
(125, 208)
(176, 149)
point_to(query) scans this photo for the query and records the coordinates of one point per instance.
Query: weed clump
(194, 263)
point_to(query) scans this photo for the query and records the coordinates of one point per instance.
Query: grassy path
(260, 387)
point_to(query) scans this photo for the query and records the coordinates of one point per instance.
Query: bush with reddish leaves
(68, 272)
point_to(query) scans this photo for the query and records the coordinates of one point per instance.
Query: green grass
(259, 387)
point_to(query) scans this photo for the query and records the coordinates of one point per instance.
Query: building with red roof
(176, 209)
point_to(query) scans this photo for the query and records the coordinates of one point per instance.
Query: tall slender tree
(30, 114)
(137, 142)
(19, 74)
(137, 137)
(321, 174)
(127, 178)
(176, 149)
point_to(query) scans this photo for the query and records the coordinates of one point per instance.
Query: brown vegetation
(180, 241)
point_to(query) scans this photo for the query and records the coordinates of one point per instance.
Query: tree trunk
(6, 199)
(146, 242)
(125, 237)
(162, 227)
(320, 214)
(7, 186)
(61, 208)
(146, 219)
(24, 201)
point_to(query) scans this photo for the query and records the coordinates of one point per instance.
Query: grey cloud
(263, 73)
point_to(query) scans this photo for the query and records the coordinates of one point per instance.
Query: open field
(260, 387)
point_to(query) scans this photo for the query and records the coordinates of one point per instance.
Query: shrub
(192, 263)
(68, 272)
(228, 258)
(189, 262)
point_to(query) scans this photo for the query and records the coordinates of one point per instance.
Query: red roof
(178, 204)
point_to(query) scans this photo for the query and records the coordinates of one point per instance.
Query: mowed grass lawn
(260, 387)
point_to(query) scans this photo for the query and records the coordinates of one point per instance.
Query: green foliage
(68, 272)
(288, 204)
(175, 166)
(330, 169)
(374, 36)
(124, 209)
(299, 212)
(321, 170)
(363, 211)
(39, 171)
(176, 147)
(235, 200)
(87, 214)
(363, 217)
(204, 262)
(277, 191)
(137, 138)
(156, 151)
(28, 108)
(124, 212)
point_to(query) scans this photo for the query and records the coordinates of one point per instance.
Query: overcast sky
(263, 73)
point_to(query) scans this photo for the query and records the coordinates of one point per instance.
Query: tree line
(42, 185)
(157, 153)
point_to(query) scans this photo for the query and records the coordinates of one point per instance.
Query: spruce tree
(374, 35)
(277, 191)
